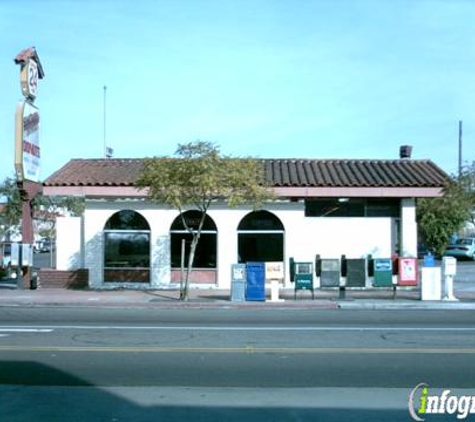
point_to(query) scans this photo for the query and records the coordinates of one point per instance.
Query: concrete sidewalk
(215, 298)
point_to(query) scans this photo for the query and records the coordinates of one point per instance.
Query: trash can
(238, 282)
(256, 281)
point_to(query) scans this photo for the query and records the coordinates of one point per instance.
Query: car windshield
(464, 241)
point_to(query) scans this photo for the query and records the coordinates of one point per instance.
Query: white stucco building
(327, 207)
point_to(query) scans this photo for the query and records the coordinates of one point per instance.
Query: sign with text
(27, 146)
(29, 79)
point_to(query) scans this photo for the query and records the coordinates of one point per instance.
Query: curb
(207, 299)
(176, 305)
(429, 305)
(361, 304)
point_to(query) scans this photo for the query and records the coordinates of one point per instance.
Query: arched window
(260, 238)
(206, 251)
(260, 221)
(127, 220)
(127, 248)
(192, 220)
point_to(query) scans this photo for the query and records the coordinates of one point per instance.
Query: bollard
(449, 288)
(342, 293)
(274, 291)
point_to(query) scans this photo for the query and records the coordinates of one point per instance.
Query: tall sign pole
(27, 149)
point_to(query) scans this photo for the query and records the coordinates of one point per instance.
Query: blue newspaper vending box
(256, 281)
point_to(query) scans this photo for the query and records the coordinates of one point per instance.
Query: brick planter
(51, 278)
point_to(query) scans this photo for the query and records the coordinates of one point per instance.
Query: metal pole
(182, 266)
(460, 148)
(28, 191)
(105, 146)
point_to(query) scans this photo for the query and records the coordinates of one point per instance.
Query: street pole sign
(27, 148)
(27, 118)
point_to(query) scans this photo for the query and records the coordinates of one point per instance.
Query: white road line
(241, 350)
(49, 328)
(25, 330)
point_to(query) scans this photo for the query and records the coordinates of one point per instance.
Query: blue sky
(266, 78)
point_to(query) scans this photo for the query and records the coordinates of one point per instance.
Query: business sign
(27, 146)
(29, 79)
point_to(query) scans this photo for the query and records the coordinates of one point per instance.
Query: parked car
(463, 248)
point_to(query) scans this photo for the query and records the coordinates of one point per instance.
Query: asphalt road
(151, 364)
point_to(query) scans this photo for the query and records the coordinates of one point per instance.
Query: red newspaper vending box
(408, 273)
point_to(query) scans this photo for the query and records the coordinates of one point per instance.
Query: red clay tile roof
(354, 173)
(279, 173)
(97, 172)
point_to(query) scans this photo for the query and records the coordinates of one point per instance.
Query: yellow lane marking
(238, 350)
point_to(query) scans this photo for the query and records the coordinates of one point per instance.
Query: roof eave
(280, 192)
(95, 191)
(358, 192)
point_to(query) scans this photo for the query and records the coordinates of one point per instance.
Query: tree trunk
(191, 258)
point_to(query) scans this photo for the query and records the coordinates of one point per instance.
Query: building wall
(69, 254)
(408, 227)
(80, 242)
